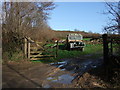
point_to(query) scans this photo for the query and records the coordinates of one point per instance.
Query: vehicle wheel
(82, 49)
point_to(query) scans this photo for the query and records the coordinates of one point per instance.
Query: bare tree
(114, 23)
(24, 19)
(26, 15)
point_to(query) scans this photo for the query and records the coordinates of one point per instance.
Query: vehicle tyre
(82, 49)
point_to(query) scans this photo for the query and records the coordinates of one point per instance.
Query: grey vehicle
(75, 41)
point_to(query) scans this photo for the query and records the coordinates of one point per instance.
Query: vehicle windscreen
(75, 38)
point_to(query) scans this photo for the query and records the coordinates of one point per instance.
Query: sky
(84, 16)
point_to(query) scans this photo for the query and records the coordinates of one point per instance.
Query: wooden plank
(49, 55)
(32, 52)
(40, 56)
(28, 49)
(33, 48)
(36, 56)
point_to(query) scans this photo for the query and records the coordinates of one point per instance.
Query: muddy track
(33, 77)
(38, 75)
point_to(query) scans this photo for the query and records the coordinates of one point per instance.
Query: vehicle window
(75, 37)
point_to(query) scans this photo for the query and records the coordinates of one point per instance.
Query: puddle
(64, 79)
(86, 63)
(60, 66)
(92, 64)
(65, 65)
(62, 69)
(59, 63)
(64, 62)
(71, 66)
(47, 86)
(50, 78)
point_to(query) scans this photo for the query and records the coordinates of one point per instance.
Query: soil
(30, 75)
(71, 73)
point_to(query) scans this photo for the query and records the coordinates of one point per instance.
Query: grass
(86, 39)
(46, 60)
(14, 56)
(89, 49)
(94, 51)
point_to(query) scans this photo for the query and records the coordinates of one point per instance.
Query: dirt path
(55, 75)
(19, 75)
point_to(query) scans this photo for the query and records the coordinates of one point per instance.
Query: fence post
(111, 47)
(25, 47)
(105, 54)
(56, 50)
(105, 48)
(28, 48)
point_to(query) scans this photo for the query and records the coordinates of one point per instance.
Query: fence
(36, 50)
(110, 42)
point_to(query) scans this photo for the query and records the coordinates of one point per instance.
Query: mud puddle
(64, 79)
(73, 68)
(59, 64)
(92, 64)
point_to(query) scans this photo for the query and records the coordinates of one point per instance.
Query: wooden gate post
(105, 48)
(105, 54)
(25, 47)
(28, 48)
(56, 50)
(111, 47)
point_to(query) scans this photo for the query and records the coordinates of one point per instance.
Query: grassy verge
(16, 56)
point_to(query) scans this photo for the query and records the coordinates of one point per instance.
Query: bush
(12, 43)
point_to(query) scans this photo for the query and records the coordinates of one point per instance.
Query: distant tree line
(63, 34)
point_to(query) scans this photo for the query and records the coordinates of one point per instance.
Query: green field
(86, 39)
(89, 49)
(93, 51)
